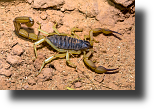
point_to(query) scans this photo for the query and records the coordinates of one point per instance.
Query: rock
(70, 5)
(105, 18)
(1, 64)
(48, 27)
(4, 65)
(38, 62)
(31, 81)
(124, 2)
(29, 1)
(6, 72)
(13, 60)
(77, 84)
(1, 28)
(55, 16)
(108, 15)
(46, 74)
(43, 15)
(89, 7)
(57, 66)
(99, 78)
(26, 87)
(17, 50)
(74, 19)
(47, 3)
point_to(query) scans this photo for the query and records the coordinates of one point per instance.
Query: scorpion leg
(28, 21)
(67, 57)
(59, 56)
(37, 43)
(50, 59)
(42, 31)
(87, 36)
(68, 61)
(54, 28)
(73, 30)
(89, 63)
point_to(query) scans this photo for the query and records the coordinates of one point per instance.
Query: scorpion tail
(116, 32)
(107, 31)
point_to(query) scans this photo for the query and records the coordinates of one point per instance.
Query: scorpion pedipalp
(92, 66)
(28, 21)
(101, 69)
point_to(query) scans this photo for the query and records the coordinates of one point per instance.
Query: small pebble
(6, 72)
(45, 74)
(29, 1)
(31, 81)
(77, 84)
(99, 78)
(17, 50)
(43, 15)
(13, 60)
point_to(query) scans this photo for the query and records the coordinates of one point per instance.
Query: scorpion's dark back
(69, 43)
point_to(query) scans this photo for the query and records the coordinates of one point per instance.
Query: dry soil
(17, 59)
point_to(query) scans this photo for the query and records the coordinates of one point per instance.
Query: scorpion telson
(65, 44)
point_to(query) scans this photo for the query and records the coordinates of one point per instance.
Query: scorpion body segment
(69, 43)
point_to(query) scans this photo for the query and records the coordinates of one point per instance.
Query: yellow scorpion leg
(59, 56)
(56, 32)
(73, 30)
(50, 59)
(67, 57)
(68, 61)
(89, 63)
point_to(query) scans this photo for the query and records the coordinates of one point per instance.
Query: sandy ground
(18, 67)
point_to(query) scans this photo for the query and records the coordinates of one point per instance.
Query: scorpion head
(86, 45)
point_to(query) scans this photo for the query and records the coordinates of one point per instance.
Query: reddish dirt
(18, 66)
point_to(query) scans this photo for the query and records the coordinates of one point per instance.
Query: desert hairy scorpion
(65, 44)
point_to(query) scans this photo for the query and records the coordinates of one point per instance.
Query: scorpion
(65, 44)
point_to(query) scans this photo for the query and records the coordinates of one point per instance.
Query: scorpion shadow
(112, 34)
